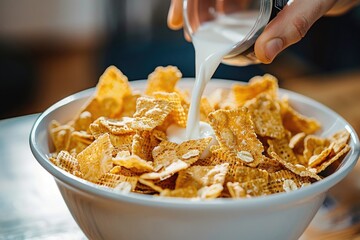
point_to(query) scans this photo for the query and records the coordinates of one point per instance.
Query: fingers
(289, 27)
(175, 16)
(342, 6)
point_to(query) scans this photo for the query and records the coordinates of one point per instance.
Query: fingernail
(273, 47)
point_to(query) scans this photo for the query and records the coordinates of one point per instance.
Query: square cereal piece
(114, 180)
(282, 149)
(235, 132)
(314, 145)
(133, 162)
(79, 140)
(96, 159)
(67, 162)
(151, 185)
(224, 155)
(212, 191)
(129, 107)
(201, 176)
(178, 114)
(150, 113)
(340, 139)
(208, 180)
(255, 187)
(108, 98)
(244, 174)
(270, 165)
(286, 181)
(83, 121)
(121, 142)
(61, 136)
(317, 159)
(296, 142)
(188, 152)
(189, 192)
(266, 84)
(163, 79)
(265, 113)
(331, 159)
(296, 122)
(297, 169)
(160, 185)
(144, 142)
(166, 172)
(235, 190)
(114, 126)
(164, 154)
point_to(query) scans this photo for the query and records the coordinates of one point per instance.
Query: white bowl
(103, 214)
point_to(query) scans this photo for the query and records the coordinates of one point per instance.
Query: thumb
(175, 15)
(289, 27)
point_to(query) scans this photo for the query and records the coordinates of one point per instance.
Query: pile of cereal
(118, 140)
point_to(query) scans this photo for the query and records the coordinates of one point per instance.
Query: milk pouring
(221, 35)
(237, 12)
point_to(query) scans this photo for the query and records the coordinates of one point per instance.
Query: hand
(175, 16)
(287, 28)
(293, 22)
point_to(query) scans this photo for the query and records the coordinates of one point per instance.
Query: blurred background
(50, 49)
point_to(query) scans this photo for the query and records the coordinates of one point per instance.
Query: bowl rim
(302, 194)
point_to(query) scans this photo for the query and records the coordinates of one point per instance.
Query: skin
(287, 28)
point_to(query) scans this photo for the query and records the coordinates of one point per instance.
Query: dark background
(50, 49)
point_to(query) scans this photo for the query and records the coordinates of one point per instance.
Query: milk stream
(212, 41)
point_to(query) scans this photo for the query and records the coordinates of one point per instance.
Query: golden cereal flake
(61, 136)
(67, 162)
(133, 161)
(340, 139)
(114, 126)
(151, 185)
(178, 114)
(235, 190)
(129, 106)
(150, 113)
(96, 159)
(296, 142)
(163, 79)
(265, 113)
(235, 132)
(201, 176)
(114, 180)
(108, 98)
(296, 122)
(266, 84)
(145, 141)
(189, 192)
(298, 169)
(209, 192)
(166, 172)
(281, 148)
(337, 157)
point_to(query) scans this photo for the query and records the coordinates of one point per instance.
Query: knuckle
(301, 26)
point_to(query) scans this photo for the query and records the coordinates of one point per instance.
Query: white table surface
(31, 206)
